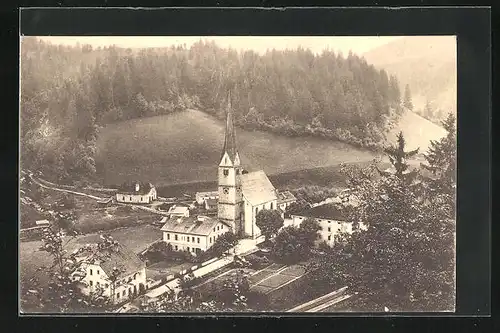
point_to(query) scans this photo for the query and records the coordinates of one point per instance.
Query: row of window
(186, 238)
(257, 209)
(130, 198)
(97, 284)
(226, 171)
(124, 292)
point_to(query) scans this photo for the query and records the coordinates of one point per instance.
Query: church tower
(230, 204)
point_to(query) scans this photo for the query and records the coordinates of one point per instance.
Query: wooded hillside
(67, 93)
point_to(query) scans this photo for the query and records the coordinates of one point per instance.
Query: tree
(269, 222)
(224, 243)
(405, 258)
(398, 157)
(407, 98)
(441, 162)
(428, 110)
(62, 293)
(292, 244)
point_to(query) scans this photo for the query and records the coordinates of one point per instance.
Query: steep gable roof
(230, 135)
(119, 256)
(257, 188)
(327, 211)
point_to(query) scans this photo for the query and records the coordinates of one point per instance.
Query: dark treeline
(68, 93)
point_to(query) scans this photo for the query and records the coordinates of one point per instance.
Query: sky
(358, 44)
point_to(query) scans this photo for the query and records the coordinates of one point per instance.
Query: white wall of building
(96, 278)
(183, 241)
(137, 198)
(251, 212)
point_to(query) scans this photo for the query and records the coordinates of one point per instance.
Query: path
(149, 209)
(323, 302)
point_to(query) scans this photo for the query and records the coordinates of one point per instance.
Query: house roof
(126, 261)
(211, 202)
(208, 193)
(257, 188)
(130, 188)
(286, 196)
(178, 209)
(191, 225)
(327, 211)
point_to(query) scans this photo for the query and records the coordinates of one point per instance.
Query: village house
(99, 268)
(330, 219)
(178, 211)
(211, 204)
(138, 193)
(202, 197)
(192, 234)
(285, 199)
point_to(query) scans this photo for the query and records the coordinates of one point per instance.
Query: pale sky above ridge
(358, 44)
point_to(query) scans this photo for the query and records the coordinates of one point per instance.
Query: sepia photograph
(237, 174)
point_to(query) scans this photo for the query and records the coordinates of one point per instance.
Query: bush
(257, 262)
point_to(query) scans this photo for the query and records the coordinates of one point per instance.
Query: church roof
(257, 188)
(230, 135)
(285, 197)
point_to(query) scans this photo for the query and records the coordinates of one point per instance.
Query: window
(226, 190)
(217, 227)
(256, 210)
(97, 284)
(226, 172)
(141, 199)
(106, 285)
(193, 250)
(271, 205)
(221, 226)
(91, 271)
(237, 171)
(97, 272)
(176, 238)
(188, 248)
(198, 239)
(117, 295)
(214, 229)
(124, 292)
(192, 239)
(210, 240)
(123, 198)
(187, 240)
(168, 236)
(176, 247)
(329, 237)
(329, 229)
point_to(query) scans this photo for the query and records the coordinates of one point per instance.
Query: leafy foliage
(67, 93)
(294, 244)
(62, 294)
(269, 222)
(399, 157)
(405, 259)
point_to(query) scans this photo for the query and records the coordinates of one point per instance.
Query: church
(240, 197)
(242, 194)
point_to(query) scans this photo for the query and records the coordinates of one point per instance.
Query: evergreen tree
(398, 157)
(428, 111)
(408, 103)
(441, 160)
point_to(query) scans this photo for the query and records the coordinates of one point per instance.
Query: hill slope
(427, 63)
(185, 147)
(417, 131)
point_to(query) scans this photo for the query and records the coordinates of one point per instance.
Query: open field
(185, 147)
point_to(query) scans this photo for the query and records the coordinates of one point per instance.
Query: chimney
(137, 187)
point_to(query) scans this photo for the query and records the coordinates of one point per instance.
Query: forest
(69, 92)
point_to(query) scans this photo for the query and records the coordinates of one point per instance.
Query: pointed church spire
(230, 136)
